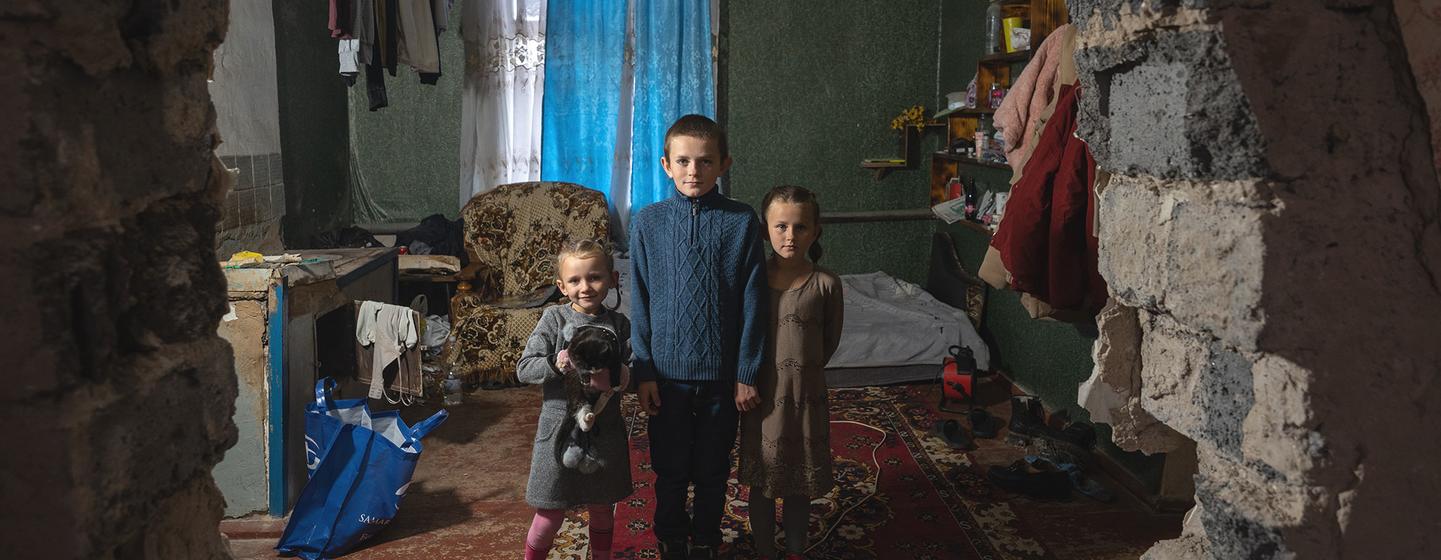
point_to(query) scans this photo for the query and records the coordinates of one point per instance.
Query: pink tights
(547, 522)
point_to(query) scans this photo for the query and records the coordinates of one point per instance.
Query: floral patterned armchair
(512, 234)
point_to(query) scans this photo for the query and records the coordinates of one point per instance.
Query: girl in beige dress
(785, 440)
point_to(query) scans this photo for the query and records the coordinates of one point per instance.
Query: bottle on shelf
(993, 28)
(981, 139)
(997, 95)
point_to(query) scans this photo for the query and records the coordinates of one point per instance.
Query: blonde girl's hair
(584, 249)
(797, 195)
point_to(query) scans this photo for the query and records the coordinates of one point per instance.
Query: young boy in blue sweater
(698, 333)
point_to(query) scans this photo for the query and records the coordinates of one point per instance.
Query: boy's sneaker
(702, 552)
(672, 550)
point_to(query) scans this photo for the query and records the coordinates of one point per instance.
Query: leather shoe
(951, 432)
(1020, 479)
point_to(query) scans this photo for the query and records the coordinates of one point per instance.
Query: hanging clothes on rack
(379, 35)
(342, 15)
(1047, 243)
(416, 30)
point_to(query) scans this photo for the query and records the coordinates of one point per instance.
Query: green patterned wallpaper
(810, 88)
(405, 158)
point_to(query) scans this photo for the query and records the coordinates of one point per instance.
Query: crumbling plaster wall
(1273, 228)
(118, 393)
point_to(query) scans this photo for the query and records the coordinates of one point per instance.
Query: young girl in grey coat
(586, 273)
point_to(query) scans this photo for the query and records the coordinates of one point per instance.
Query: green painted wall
(405, 158)
(313, 129)
(809, 90)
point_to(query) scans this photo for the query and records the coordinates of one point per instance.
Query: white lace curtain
(504, 85)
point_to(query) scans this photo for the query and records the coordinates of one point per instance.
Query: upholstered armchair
(512, 234)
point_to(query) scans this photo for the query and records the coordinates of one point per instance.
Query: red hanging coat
(1046, 240)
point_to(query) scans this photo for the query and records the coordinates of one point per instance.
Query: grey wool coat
(551, 485)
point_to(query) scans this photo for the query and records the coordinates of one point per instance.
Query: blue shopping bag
(325, 417)
(362, 469)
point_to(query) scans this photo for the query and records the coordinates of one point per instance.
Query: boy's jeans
(690, 442)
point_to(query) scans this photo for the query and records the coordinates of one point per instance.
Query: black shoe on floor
(702, 552)
(1027, 419)
(951, 432)
(983, 425)
(1020, 479)
(672, 550)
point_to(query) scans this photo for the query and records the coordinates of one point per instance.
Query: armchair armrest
(481, 279)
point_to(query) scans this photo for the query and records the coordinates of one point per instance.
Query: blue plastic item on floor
(360, 465)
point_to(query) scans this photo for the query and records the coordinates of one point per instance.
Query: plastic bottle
(454, 389)
(981, 138)
(993, 27)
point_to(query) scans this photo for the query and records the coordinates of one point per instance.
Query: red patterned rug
(917, 498)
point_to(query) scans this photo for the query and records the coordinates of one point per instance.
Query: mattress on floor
(895, 332)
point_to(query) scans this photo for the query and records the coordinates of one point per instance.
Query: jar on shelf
(997, 95)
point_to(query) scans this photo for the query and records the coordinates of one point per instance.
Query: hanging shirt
(389, 330)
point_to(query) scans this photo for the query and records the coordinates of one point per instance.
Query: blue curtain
(585, 52)
(672, 78)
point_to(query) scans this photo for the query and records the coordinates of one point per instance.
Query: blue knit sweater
(698, 291)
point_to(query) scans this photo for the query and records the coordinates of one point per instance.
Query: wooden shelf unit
(1043, 17)
(910, 143)
(963, 160)
(1007, 58)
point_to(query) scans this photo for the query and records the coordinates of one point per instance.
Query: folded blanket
(1031, 92)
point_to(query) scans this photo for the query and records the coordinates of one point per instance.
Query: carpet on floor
(911, 497)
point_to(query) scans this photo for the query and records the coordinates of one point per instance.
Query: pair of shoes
(702, 552)
(1086, 486)
(1018, 478)
(1027, 418)
(951, 432)
(672, 550)
(1028, 421)
(983, 425)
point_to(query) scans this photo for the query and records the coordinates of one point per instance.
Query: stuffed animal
(595, 374)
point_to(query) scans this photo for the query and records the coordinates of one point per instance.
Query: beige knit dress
(785, 440)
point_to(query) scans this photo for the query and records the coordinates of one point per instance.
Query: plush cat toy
(590, 348)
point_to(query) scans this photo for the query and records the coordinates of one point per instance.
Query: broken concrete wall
(244, 90)
(1274, 223)
(1420, 20)
(118, 394)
